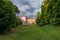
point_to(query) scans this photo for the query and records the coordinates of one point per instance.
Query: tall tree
(51, 11)
(7, 15)
(38, 18)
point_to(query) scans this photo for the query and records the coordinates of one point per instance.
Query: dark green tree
(51, 12)
(7, 15)
(18, 21)
(38, 18)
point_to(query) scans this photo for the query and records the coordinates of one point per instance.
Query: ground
(34, 32)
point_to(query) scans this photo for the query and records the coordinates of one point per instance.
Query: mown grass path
(34, 32)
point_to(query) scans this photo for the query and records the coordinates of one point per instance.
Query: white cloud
(22, 8)
(27, 7)
(35, 3)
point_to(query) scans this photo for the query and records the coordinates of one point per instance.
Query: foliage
(18, 21)
(54, 21)
(7, 15)
(38, 18)
(50, 12)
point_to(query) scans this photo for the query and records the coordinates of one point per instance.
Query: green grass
(53, 31)
(34, 32)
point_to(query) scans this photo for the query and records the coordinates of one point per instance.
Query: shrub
(55, 21)
(18, 21)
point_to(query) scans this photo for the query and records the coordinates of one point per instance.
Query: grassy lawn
(34, 32)
(54, 31)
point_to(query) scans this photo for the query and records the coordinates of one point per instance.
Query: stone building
(28, 20)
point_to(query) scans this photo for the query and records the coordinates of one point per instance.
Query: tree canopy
(7, 15)
(51, 12)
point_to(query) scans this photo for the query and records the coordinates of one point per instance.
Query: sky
(28, 7)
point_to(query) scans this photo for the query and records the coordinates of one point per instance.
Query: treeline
(8, 17)
(50, 13)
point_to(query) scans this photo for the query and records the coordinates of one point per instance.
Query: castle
(28, 20)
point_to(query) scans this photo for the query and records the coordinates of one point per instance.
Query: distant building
(28, 20)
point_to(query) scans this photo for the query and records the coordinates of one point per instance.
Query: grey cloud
(30, 10)
(24, 2)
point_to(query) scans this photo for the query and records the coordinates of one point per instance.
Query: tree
(7, 15)
(38, 18)
(51, 11)
(18, 21)
(55, 18)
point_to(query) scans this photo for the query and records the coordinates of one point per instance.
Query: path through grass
(33, 32)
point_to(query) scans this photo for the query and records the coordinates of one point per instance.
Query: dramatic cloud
(28, 7)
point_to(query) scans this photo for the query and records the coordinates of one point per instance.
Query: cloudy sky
(28, 7)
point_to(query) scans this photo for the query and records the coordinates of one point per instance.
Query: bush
(38, 18)
(18, 21)
(55, 21)
(42, 22)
